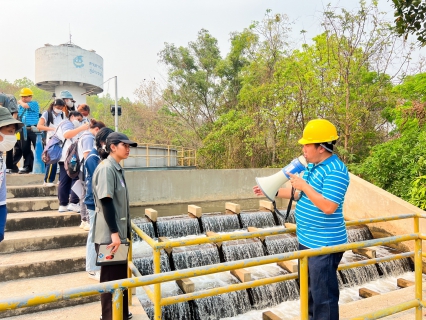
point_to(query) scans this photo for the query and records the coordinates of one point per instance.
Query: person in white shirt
(48, 122)
(67, 132)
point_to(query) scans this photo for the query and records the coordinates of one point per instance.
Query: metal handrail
(117, 287)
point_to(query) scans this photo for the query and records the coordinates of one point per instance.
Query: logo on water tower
(78, 62)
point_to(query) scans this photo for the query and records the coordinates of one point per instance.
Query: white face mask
(76, 123)
(57, 110)
(69, 103)
(8, 142)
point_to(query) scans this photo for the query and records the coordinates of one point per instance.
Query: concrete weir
(44, 250)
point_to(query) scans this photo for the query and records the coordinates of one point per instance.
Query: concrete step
(15, 179)
(42, 263)
(31, 191)
(41, 219)
(43, 239)
(29, 286)
(32, 204)
(88, 311)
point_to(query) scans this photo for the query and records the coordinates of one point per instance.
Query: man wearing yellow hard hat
(319, 214)
(28, 113)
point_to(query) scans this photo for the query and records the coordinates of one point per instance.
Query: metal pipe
(157, 286)
(229, 288)
(303, 279)
(47, 297)
(375, 260)
(418, 264)
(117, 304)
(380, 219)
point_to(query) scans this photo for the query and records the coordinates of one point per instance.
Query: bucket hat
(6, 119)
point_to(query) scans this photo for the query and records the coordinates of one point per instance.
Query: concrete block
(402, 283)
(186, 285)
(165, 239)
(266, 204)
(212, 234)
(242, 274)
(232, 207)
(151, 214)
(254, 229)
(289, 225)
(366, 252)
(32, 204)
(269, 315)
(195, 211)
(289, 265)
(367, 293)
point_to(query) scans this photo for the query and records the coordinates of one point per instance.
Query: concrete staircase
(43, 250)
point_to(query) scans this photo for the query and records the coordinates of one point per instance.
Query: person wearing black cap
(8, 126)
(112, 221)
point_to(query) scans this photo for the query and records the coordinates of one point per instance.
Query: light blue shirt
(315, 228)
(32, 113)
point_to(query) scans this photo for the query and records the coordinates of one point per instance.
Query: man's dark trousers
(26, 148)
(323, 286)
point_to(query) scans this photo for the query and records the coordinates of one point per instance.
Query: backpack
(72, 161)
(53, 151)
(9, 101)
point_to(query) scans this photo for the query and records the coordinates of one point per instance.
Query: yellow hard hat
(25, 92)
(319, 131)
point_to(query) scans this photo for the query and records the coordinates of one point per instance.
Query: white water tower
(69, 67)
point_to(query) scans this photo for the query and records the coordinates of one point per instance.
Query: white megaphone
(270, 185)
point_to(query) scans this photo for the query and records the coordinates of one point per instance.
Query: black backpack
(72, 161)
(9, 101)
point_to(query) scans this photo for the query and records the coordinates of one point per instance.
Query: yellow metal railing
(175, 154)
(117, 287)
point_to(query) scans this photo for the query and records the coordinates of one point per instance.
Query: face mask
(57, 111)
(69, 103)
(76, 123)
(8, 142)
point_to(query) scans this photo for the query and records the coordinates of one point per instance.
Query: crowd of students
(104, 204)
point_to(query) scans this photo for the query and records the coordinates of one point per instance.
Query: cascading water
(394, 267)
(290, 219)
(145, 225)
(281, 243)
(221, 306)
(261, 219)
(220, 222)
(358, 233)
(195, 256)
(359, 275)
(179, 311)
(145, 263)
(242, 249)
(274, 293)
(177, 226)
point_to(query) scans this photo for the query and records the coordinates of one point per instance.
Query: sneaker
(87, 227)
(63, 209)
(84, 224)
(74, 207)
(48, 184)
(95, 275)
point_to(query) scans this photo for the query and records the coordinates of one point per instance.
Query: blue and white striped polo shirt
(315, 228)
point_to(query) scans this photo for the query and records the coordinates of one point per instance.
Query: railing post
(418, 267)
(117, 304)
(303, 282)
(157, 286)
(129, 274)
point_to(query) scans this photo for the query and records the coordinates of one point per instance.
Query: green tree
(194, 89)
(410, 16)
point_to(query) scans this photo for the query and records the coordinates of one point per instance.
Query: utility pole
(116, 106)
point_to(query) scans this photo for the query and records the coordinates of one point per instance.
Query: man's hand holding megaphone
(297, 182)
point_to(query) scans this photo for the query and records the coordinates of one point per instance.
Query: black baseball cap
(117, 137)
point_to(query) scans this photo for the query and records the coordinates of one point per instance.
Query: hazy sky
(129, 34)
